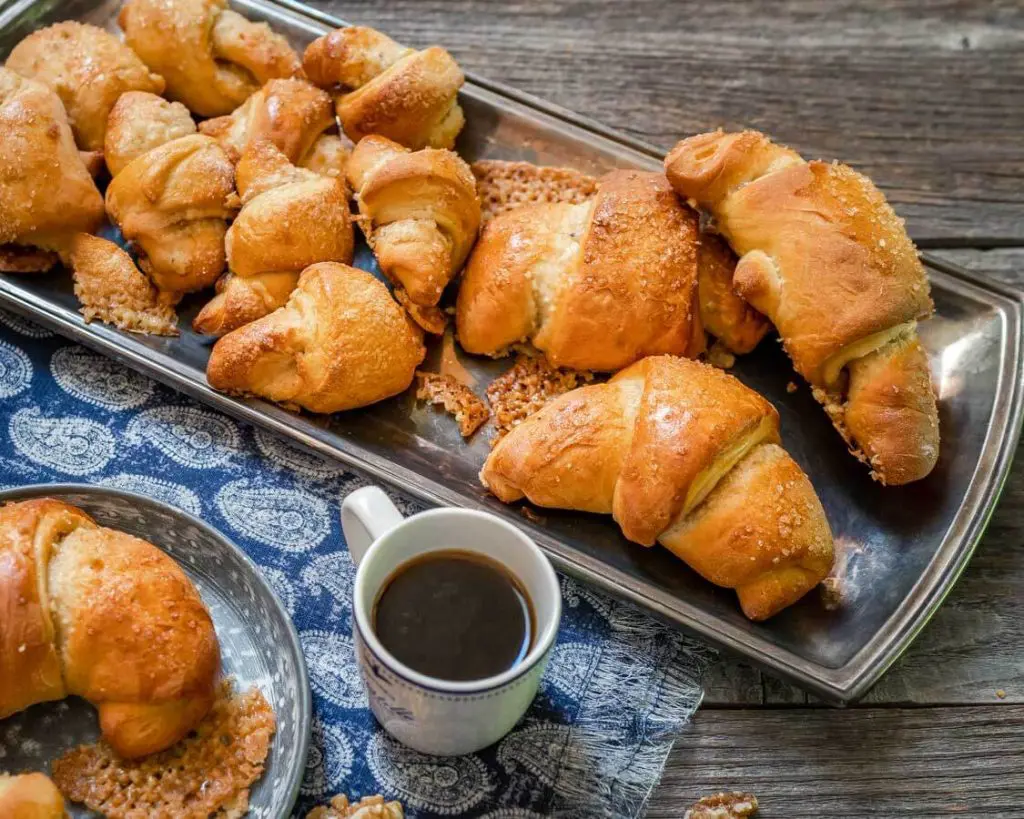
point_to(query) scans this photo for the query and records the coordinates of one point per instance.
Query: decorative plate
(259, 645)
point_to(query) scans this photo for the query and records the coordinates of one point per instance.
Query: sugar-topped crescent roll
(340, 342)
(211, 57)
(172, 193)
(682, 454)
(595, 285)
(89, 68)
(824, 256)
(292, 114)
(46, 193)
(100, 614)
(290, 218)
(419, 211)
(405, 95)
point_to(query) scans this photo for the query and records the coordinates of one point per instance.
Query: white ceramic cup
(431, 715)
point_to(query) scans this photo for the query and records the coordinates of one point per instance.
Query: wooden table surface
(927, 97)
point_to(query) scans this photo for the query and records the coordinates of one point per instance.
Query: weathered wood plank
(854, 763)
(927, 98)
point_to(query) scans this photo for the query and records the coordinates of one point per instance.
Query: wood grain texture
(804, 763)
(927, 98)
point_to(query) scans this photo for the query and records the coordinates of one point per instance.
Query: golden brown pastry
(340, 342)
(419, 211)
(369, 807)
(112, 289)
(140, 122)
(88, 68)
(211, 57)
(46, 192)
(290, 218)
(595, 286)
(30, 796)
(292, 114)
(824, 257)
(680, 453)
(405, 95)
(722, 312)
(105, 616)
(173, 203)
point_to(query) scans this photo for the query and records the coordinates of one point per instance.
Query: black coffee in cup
(454, 615)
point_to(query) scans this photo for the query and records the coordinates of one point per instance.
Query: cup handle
(366, 515)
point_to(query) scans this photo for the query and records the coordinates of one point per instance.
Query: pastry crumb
(526, 387)
(731, 805)
(369, 807)
(791, 387)
(457, 399)
(831, 591)
(430, 319)
(720, 356)
(207, 774)
(503, 186)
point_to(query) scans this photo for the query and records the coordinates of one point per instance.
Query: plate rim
(305, 727)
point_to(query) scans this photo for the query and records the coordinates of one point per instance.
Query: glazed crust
(657, 447)
(596, 285)
(173, 202)
(407, 96)
(290, 113)
(103, 615)
(211, 57)
(829, 262)
(340, 342)
(290, 218)
(139, 122)
(419, 211)
(46, 192)
(88, 68)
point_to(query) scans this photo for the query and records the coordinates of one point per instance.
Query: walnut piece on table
(457, 399)
(727, 805)
(369, 807)
(526, 387)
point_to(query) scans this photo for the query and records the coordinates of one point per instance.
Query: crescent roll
(419, 211)
(594, 286)
(140, 122)
(340, 342)
(89, 69)
(173, 202)
(292, 114)
(46, 193)
(105, 616)
(405, 95)
(211, 57)
(683, 454)
(824, 256)
(290, 218)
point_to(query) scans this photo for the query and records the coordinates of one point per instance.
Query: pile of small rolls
(237, 168)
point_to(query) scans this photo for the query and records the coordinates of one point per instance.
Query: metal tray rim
(840, 684)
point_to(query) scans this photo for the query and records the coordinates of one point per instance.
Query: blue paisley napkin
(619, 686)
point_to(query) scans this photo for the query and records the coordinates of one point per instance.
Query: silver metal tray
(900, 549)
(258, 644)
